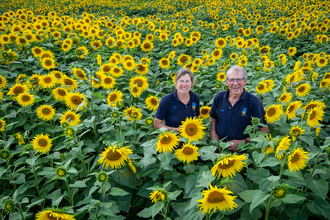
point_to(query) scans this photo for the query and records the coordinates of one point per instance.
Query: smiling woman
(174, 108)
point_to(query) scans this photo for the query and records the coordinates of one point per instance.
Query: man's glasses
(238, 80)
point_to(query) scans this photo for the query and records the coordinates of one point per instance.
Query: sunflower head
(9, 205)
(149, 121)
(193, 129)
(102, 177)
(61, 171)
(158, 195)
(4, 154)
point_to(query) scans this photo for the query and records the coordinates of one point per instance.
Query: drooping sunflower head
(296, 131)
(193, 129)
(158, 195)
(51, 214)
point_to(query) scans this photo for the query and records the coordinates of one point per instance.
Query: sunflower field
(80, 82)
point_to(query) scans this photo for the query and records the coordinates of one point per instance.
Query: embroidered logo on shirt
(174, 106)
(194, 106)
(244, 112)
(222, 110)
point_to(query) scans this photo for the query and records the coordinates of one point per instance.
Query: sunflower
(217, 198)
(114, 157)
(79, 73)
(322, 62)
(96, 44)
(117, 71)
(313, 104)
(283, 146)
(297, 160)
(108, 82)
(82, 52)
(290, 111)
(58, 75)
(133, 113)
(129, 65)
(48, 63)
(292, 51)
(188, 153)
(76, 101)
(18, 89)
(69, 83)
(285, 97)
(45, 112)
(273, 113)
(106, 68)
(147, 46)
(3, 82)
(47, 81)
(296, 131)
(221, 77)
(261, 88)
(70, 117)
(315, 115)
(25, 99)
(303, 89)
(183, 58)
(42, 143)
(164, 63)
(59, 94)
(114, 97)
(37, 51)
(204, 112)
(53, 214)
(167, 141)
(228, 165)
(220, 43)
(141, 69)
(157, 195)
(136, 91)
(217, 54)
(2, 125)
(152, 103)
(140, 81)
(193, 129)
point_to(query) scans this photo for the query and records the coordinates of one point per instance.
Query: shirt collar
(192, 97)
(243, 96)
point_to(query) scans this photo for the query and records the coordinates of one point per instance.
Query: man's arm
(159, 124)
(213, 133)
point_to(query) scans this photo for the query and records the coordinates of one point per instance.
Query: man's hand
(234, 145)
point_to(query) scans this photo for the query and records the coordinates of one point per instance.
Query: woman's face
(183, 84)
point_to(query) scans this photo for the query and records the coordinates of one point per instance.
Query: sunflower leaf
(319, 187)
(259, 198)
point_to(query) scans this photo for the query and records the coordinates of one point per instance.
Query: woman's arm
(159, 124)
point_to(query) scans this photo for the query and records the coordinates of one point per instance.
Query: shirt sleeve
(161, 112)
(213, 112)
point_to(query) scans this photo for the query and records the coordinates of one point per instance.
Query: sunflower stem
(268, 208)
(11, 173)
(311, 174)
(36, 178)
(102, 192)
(282, 166)
(68, 188)
(21, 211)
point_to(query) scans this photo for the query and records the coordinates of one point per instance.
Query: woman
(174, 108)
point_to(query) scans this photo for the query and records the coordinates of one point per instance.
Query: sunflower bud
(28, 147)
(255, 121)
(65, 124)
(149, 121)
(69, 131)
(102, 177)
(119, 103)
(115, 114)
(4, 154)
(9, 205)
(279, 192)
(60, 171)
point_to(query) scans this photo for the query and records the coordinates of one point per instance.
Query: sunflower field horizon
(80, 82)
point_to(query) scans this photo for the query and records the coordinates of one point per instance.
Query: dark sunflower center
(113, 97)
(166, 140)
(301, 89)
(188, 151)
(295, 158)
(46, 111)
(107, 81)
(215, 197)
(26, 98)
(226, 166)
(271, 112)
(116, 70)
(113, 155)
(42, 143)
(18, 90)
(68, 82)
(139, 82)
(61, 92)
(106, 68)
(76, 100)
(147, 46)
(153, 101)
(69, 117)
(312, 115)
(191, 129)
(205, 111)
(48, 62)
(183, 59)
(48, 80)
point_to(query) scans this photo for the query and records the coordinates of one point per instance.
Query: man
(232, 110)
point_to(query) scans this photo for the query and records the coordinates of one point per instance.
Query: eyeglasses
(239, 80)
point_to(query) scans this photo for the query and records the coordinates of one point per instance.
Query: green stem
(311, 174)
(4, 135)
(37, 184)
(282, 166)
(11, 174)
(68, 188)
(102, 192)
(21, 211)
(268, 208)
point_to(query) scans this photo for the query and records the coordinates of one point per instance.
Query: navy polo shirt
(173, 111)
(232, 121)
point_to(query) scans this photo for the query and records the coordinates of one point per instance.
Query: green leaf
(189, 168)
(207, 153)
(258, 174)
(78, 184)
(248, 195)
(307, 139)
(319, 187)
(156, 208)
(2, 171)
(270, 162)
(173, 195)
(106, 211)
(257, 157)
(292, 198)
(145, 213)
(205, 179)
(238, 185)
(319, 206)
(89, 123)
(259, 198)
(117, 192)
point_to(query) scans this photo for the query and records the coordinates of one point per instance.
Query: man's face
(235, 82)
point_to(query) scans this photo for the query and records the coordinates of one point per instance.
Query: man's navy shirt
(173, 111)
(232, 121)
